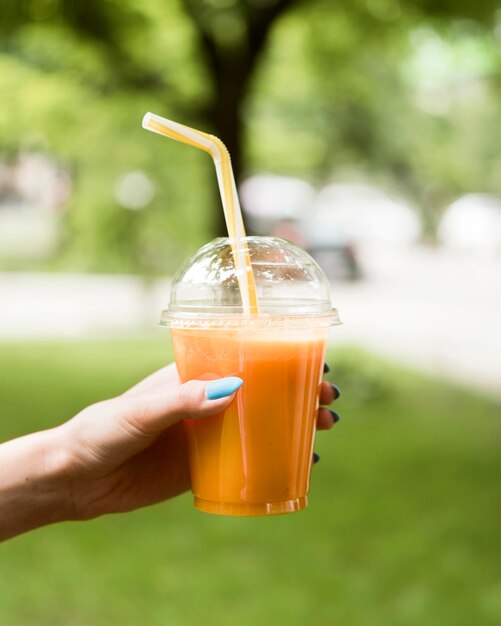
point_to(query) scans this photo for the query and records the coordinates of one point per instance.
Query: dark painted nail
(337, 391)
(335, 416)
(316, 458)
(326, 368)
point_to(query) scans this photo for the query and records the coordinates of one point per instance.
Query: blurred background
(368, 132)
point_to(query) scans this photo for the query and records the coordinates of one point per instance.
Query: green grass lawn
(402, 528)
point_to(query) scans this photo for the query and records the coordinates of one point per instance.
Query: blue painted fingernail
(335, 416)
(316, 458)
(326, 368)
(337, 391)
(222, 387)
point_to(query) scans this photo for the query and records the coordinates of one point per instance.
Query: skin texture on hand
(130, 451)
(114, 456)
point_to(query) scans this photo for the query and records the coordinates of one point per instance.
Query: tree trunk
(231, 72)
(224, 117)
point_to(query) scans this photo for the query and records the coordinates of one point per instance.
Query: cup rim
(206, 320)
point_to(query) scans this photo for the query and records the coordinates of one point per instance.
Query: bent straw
(229, 197)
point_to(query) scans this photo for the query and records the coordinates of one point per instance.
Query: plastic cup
(254, 458)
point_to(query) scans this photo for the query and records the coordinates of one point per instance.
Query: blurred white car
(283, 206)
(331, 222)
(330, 248)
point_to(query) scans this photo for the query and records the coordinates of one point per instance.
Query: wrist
(56, 482)
(35, 488)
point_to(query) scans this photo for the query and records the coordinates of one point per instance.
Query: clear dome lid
(288, 282)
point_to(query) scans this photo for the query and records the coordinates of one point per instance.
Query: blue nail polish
(316, 458)
(337, 391)
(222, 387)
(335, 416)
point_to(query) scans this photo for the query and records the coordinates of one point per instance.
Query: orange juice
(255, 458)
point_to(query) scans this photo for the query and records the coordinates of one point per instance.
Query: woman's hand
(114, 456)
(130, 451)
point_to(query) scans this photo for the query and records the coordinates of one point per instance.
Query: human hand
(130, 451)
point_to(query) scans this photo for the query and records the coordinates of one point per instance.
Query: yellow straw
(227, 188)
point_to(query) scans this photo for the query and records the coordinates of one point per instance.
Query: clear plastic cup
(255, 458)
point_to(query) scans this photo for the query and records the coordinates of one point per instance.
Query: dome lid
(289, 284)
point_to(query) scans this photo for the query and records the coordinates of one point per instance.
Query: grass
(402, 527)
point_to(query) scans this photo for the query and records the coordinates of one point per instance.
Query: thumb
(119, 428)
(152, 413)
(201, 398)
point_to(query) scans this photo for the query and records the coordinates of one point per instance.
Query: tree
(231, 41)
(228, 38)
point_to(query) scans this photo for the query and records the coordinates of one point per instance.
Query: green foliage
(414, 107)
(402, 526)
(404, 94)
(64, 94)
(100, 139)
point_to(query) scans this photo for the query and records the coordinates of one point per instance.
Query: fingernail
(335, 416)
(316, 458)
(222, 387)
(326, 368)
(337, 391)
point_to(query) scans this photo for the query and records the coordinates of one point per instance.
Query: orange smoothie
(255, 458)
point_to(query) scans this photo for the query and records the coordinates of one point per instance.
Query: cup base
(251, 509)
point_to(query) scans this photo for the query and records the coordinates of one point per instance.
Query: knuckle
(134, 422)
(189, 396)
